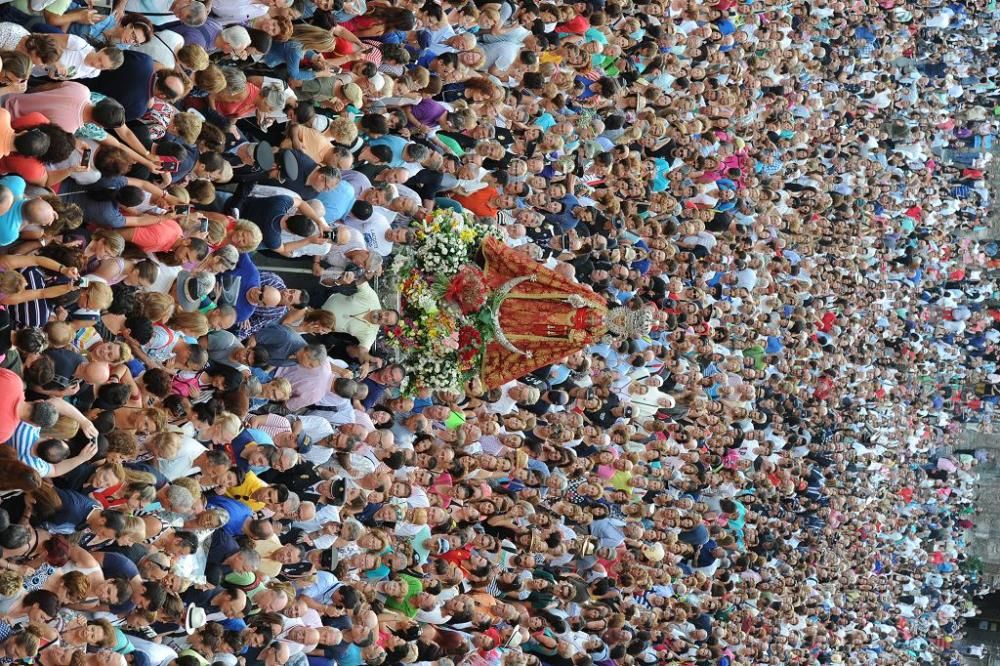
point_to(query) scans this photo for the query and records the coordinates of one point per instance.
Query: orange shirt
(478, 203)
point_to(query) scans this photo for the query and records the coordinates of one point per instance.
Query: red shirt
(31, 169)
(105, 496)
(11, 398)
(577, 26)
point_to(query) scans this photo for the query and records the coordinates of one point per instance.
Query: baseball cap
(229, 256)
(192, 288)
(352, 93)
(230, 289)
(303, 443)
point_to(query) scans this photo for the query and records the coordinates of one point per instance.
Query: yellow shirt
(350, 311)
(621, 480)
(243, 491)
(268, 567)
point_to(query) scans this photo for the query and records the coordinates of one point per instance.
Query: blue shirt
(187, 162)
(396, 144)
(204, 36)
(129, 84)
(281, 343)
(237, 510)
(337, 201)
(24, 438)
(10, 222)
(289, 54)
(116, 565)
(75, 508)
(102, 212)
(247, 436)
(249, 276)
(266, 213)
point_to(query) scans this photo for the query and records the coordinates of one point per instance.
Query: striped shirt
(33, 313)
(23, 440)
(961, 191)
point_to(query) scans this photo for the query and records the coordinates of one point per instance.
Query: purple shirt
(204, 36)
(428, 111)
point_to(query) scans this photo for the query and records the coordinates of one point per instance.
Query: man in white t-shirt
(378, 232)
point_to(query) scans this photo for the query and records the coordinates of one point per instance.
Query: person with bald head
(94, 373)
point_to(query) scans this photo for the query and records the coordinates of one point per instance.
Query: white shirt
(308, 250)
(71, 63)
(162, 47)
(183, 463)
(237, 11)
(165, 278)
(500, 54)
(374, 229)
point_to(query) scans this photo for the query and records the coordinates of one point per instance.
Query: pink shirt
(62, 105)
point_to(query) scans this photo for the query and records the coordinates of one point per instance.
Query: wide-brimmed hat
(194, 619)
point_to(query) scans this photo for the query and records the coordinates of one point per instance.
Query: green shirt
(413, 588)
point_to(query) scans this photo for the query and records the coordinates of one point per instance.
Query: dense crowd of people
(204, 465)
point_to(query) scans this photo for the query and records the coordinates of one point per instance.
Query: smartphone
(203, 225)
(85, 156)
(182, 209)
(102, 6)
(81, 282)
(170, 164)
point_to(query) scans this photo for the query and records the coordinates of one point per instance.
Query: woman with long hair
(380, 21)
(303, 43)
(21, 647)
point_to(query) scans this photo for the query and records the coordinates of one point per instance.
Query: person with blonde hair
(157, 307)
(143, 420)
(191, 324)
(192, 58)
(173, 454)
(187, 126)
(311, 320)
(291, 50)
(64, 429)
(94, 299)
(211, 80)
(245, 236)
(23, 646)
(316, 144)
(135, 530)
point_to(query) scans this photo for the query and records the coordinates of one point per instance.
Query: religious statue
(539, 317)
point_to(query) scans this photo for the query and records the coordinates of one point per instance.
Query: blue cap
(773, 345)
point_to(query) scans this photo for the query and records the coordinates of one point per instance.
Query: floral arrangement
(438, 336)
(467, 290)
(444, 240)
(470, 346)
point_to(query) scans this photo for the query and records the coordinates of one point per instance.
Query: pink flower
(451, 342)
